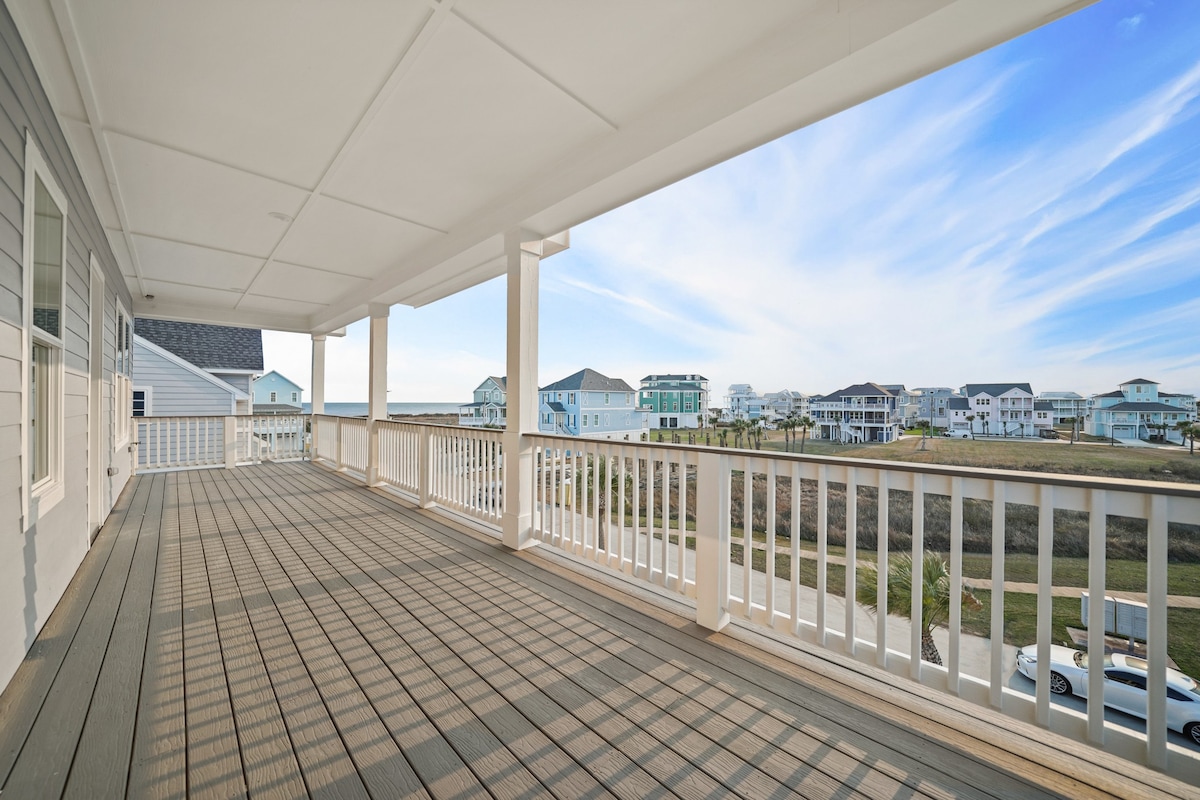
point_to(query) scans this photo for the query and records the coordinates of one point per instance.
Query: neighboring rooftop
(210, 347)
(858, 390)
(588, 380)
(994, 389)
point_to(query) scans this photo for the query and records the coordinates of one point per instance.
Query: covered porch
(279, 630)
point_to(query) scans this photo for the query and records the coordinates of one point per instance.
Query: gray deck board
(22, 700)
(280, 631)
(101, 765)
(54, 736)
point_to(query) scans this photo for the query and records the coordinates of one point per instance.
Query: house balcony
(282, 628)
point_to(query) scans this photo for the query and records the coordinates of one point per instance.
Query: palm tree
(753, 431)
(1071, 421)
(805, 424)
(788, 425)
(739, 428)
(1188, 430)
(935, 595)
(971, 423)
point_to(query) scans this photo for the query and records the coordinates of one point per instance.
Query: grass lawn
(1055, 456)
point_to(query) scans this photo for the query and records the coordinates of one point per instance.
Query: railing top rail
(1191, 491)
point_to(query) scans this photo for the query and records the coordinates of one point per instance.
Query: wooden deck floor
(277, 631)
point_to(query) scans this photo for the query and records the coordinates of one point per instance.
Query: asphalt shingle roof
(995, 389)
(1137, 380)
(1143, 407)
(211, 347)
(588, 380)
(958, 404)
(858, 390)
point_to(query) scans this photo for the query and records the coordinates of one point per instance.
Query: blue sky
(1030, 214)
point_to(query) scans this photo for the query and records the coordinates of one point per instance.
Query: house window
(44, 278)
(123, 358)
(570, 398)
(295, 397)
(141, 404)
(606, 398)
(596, 420)
(585, 420)
(273, 397)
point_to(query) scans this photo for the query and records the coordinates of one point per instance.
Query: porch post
(522, 251)
(377, 409)
(318, 390)
(378, 379)
(318, 373)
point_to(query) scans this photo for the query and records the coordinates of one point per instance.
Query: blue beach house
(589, 405)
(275, 394)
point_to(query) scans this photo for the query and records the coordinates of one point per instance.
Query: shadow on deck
(278, 630)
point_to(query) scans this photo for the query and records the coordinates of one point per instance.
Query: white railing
(179, 442)
(622, 505)
(465, 471)
(166, 443)
(783, 541)
(452, 467)
(272, 437)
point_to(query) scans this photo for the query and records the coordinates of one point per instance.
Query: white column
(378, 379)
(318, 373)
(523, 253)
(377, 409)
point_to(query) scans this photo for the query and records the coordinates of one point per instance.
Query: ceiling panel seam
(518, 58)
(409, 55)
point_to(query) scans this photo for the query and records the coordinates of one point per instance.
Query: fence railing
(799, 544)
(166, 443)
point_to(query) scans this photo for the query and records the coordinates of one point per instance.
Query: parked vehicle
(957, 434)
(1124, 685)
(1048, 434)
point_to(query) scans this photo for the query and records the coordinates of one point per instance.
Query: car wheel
(1192, 731)
(1059, 684)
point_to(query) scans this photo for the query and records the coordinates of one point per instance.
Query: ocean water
(360, 409)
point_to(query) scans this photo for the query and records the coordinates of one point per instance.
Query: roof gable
(281, 377)
(190, 367)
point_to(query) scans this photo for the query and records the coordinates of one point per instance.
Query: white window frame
(40, 497)
(123, 378)
(147, 400)
(273, 397)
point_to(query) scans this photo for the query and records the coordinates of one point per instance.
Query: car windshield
(1080, 657)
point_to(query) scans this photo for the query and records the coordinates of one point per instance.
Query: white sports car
(1124, 685)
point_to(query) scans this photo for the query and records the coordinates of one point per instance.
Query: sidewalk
(1173, 600)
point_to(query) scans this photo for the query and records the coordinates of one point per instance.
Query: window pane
(139, 403)
(39, 412)
(47, 262)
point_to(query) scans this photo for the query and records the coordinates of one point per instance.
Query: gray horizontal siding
(176, 391)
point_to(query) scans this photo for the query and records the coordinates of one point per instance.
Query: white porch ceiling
(281, 163)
